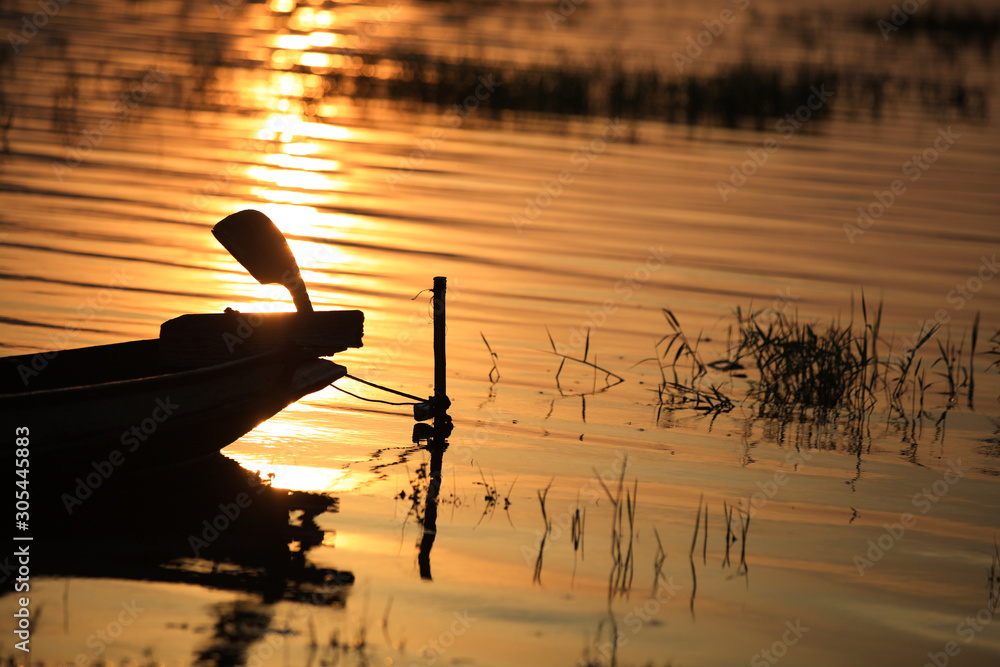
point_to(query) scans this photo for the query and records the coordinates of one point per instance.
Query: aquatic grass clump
(835, 373)
(802, 365)
(825, 378)
(684, 388)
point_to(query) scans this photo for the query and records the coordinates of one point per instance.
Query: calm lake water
(130, 128)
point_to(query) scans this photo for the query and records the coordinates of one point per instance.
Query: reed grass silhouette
(623, 504)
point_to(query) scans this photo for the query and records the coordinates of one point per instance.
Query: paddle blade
(258, 245)
(261, 248)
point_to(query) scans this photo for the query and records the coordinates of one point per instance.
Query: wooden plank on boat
(196, 340)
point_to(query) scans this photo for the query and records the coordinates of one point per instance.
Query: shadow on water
(210, 523)
(424, 495)
(436, 446)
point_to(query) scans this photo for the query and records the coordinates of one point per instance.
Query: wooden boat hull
(132, 412)
(191, 341)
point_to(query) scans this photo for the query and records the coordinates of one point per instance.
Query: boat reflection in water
(209, 523)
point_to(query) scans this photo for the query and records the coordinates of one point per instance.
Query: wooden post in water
(438, 441)
(440, 356)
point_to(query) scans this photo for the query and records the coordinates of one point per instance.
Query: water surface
(546, 226)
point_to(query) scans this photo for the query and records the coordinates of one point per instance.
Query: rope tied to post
(417, 400)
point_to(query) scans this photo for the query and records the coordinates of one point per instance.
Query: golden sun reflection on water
(302, 163)
(361, 543)
(286, 197)
(307, 17)
(293, 172)
(293, 42)
(300, 148)
(282, 6)
(299, 478)
(297, 175)
(296, 178)
(308, 221)
(317, 60)
(322, 39)
(289, 126)
(275, 456)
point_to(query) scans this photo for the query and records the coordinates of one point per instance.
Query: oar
(261, 248)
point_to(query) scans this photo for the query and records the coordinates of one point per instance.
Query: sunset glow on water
(603, 184)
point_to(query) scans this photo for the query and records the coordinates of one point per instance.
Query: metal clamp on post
(430, 408)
